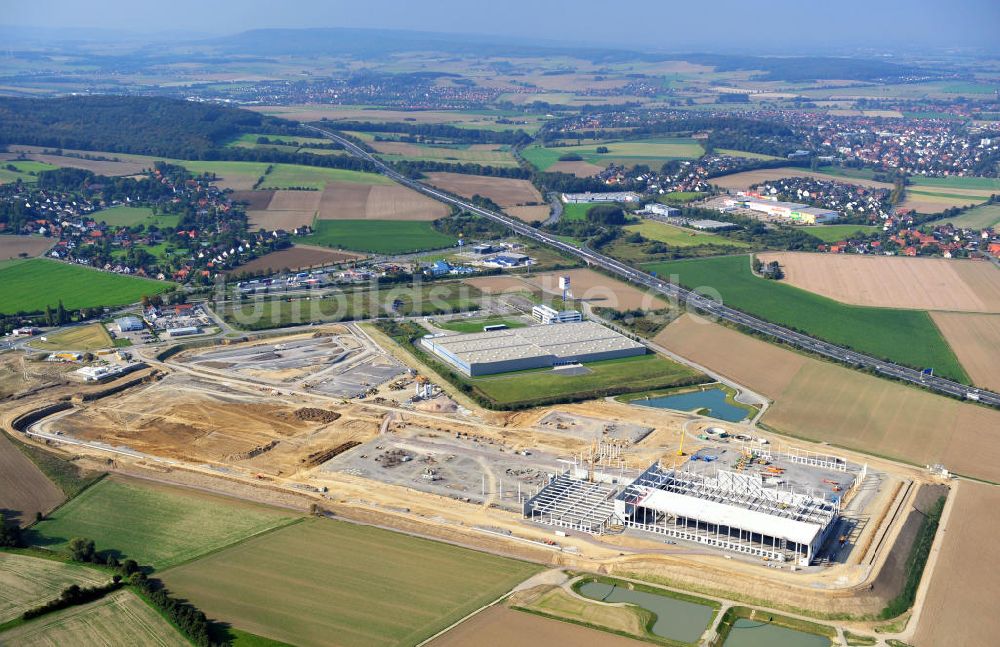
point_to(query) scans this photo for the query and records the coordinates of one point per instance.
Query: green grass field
(81, 338)
(679, 197)
(322, 581)
(679, 237)
(457, 153)
(653, 151)
(834, 233)
(476, 325)
(28, 286)
(980, 183)
(641, 373)
(27, 582)
(24, 170)
(904, 336)
(154, 524)
(981, 217)
(284, 176)
(122, 216)
(577, 211)
(378, 236)
(745, 154)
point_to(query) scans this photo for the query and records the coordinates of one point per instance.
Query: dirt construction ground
(895, 281)
(354, 201)
(961, 603)
(821, 401)
(975, 339)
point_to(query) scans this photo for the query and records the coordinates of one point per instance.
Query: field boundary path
(675, 292)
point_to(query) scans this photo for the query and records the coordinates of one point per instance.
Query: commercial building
(518, 349)
(129, 324)
(549, 315)
(658, 209)
(586, 198)
(184, 331)
(793, 211)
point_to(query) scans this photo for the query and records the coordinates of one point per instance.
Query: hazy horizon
(715, 25)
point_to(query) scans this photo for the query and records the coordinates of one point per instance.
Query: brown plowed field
(821, 401)
(961, 603)
(895, 281)
(256, 200)
(24, 490)
(499, 284)
(12, 246)
(295, 201)
(353, 201)
(296, 258)
(506, 192)
(975, 338)
(746, 179)
(599, 290)
(499, 626)
(529, 213)
(271, 220)
(579, 169)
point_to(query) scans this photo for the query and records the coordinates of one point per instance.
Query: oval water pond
(752, 633)
(675, 619)
(712, 399)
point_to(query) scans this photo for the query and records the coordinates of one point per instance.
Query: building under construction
(742, 511)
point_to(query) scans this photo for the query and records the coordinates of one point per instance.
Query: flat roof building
(129, 324)
(518, 349)
(611, 196)
(549, 315)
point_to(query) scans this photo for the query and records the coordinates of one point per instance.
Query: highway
(675, 292)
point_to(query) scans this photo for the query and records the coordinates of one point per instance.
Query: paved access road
(675, 292)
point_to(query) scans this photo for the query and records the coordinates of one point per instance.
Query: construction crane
(680, 449)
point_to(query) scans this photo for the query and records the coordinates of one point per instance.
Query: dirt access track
(894, 281)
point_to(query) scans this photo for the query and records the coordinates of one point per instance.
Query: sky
(707, 25)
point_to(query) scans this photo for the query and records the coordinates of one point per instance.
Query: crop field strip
(364, 585)
(506, 192)
(378, 236)
(29, 286)
(117, 514)
(975, 338)
(904, 336)
(27, 582)
(821, 401)
(13, 246)
(120, 619)
(629, 151)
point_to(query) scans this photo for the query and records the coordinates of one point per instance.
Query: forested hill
(141, 125)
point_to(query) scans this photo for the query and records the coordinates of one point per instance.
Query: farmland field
(834, 233)
(378, 236)
(975, 338)
(745, 154)
(24, 489)
(499, 626)
(981, 217)
(821, 401)
(485, 154)
(599, 290)
(27, 582)
(579, 169)
(935, 201)
(904, 336)
(286, 176)
(155, 524)
(506, 192)
(647, 151)
(474, 119)
(121, 619)
(82, 338)
(640, 373)
(122, 216)
(529, 213)
(680, 237)
(577, 210)
(894, 281)
(364, 585)
(24, 170)
(357, 201)
(14, 246)
(295, 258)
(746, 179)
(28, 286)
(959, 608)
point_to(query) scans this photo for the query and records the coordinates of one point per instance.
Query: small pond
(714, 400)
(753, 633)
(675, 619)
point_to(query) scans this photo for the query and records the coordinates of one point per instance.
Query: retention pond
(675, 619)
(711, 401)
(753, 633)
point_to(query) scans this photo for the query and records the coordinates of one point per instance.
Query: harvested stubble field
(24, 489)
(529, 213)
(599, 290)
(822, 401)
(960, 607)
(622, 152)
(360, 584)
(288, 176)
(155, 524)
(975, 338)
(296, 257)
(904, 336)
(501, 285)
(14, 246)
(894, 281)
(923, 201)
(746, 179)
(29, 286)
(121, 619)
(27, 582)
(81, 338)
(499, 626)
(579, 169)
(485, 154)
(255, 200)
(271, 220)
(506, 192)
(355, 201)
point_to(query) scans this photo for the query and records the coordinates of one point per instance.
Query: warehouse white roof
(723, 514)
